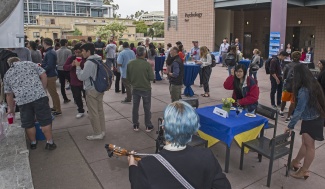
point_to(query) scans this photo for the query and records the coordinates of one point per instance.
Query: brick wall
(201, 29)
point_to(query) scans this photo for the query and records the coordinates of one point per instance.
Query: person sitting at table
(245, 89)
(310, 108)
(181, 53)
(254, 65)
(205, 62)
(198, 166)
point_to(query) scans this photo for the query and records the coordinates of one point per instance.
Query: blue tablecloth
(245, 62)
(159, 65)
(190, 73)
(225, 129)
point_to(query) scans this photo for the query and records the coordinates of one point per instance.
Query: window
(36, 34)
(52, 21)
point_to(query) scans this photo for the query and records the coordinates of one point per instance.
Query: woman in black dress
(310, 108)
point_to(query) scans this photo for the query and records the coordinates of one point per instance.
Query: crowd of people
(32, 72)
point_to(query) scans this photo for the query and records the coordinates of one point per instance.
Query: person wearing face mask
(245, 89)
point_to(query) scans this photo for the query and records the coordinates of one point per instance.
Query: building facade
(155, 16)
(299, 22)
(63, 27)
(82, 8)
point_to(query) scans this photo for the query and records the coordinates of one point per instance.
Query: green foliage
(141, 27)
(151, 32)
(115, 28)
(158, 29)
(77, 32)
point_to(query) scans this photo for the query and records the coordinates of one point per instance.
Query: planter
(227, 109)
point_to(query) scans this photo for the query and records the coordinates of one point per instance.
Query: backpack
(230, 59)
(214, 62)
(261, 62)
(4, 66)
(267, 65)
(103, 81)
(288, 82)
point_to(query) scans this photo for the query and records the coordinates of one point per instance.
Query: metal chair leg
(241, 157)
(269, 174)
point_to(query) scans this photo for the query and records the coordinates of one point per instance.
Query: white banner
(12, 26)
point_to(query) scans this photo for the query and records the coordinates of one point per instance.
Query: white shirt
(223, 48)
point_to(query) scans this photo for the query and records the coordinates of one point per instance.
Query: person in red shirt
(75, 83)
(245, 89)
(180, 53)
(303, 54)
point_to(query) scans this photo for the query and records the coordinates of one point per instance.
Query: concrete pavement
(81, 164)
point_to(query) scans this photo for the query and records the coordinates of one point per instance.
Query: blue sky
(128, 7)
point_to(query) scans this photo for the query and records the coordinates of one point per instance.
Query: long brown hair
(204, 52)
(302, 77)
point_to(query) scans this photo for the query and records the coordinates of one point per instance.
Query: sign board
(220, 112)
(274, 46)
(12, 24)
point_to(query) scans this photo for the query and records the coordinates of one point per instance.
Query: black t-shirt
(99, 45)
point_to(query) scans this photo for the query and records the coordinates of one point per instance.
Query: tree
(141, 27)
(138, 14)
(159, 29)
(77, 32)
(151, 32)
(114, 28)
(108, 2)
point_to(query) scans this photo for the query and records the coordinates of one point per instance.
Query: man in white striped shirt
(223, 51)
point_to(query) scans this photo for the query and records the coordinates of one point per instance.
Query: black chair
(193, 101)
(272, 149)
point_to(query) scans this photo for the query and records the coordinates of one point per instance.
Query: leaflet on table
(220, 112)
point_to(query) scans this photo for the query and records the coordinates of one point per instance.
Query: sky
(128, 7)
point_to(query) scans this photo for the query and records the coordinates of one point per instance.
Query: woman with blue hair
(197, 166)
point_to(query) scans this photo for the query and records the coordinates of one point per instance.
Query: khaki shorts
(286, 97)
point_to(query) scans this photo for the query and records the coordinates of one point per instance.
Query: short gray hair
(141, 51)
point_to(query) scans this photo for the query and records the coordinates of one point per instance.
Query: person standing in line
(195, 54)
(205, 62)
(23, 53)
(276, 78)
(132, 47)
(223, 51)
(110, 53)
(310, 109)
(176, 75)
(161, 49)
(35, 54)
(139, 74)
(94, 98)
(63, 54)
(122, 61)
(255, 62)
(238, 44)
(287, 93)
(116, 70)
(27, 81)
(152, 53)
(76, 85)
(89, 40)
(99, 47)
(49, 64)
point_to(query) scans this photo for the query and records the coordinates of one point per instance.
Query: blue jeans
(230, 68)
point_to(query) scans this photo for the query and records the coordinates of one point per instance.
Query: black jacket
(198, 167)
(4, 66)
(179, 79)
(321, 80)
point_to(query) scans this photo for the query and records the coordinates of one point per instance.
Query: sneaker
(53, 110)
(66, 101)
(149, 129)
(50, 146)
(281, 114)
(136, 127)
(79, 115)
(274, 106)
(56, 113)
(95, 137)
(287, 120)
(33, 146)
(125, 101)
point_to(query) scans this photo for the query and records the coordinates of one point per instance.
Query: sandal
(205, 95)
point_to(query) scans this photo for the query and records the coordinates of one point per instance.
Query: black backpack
(267, 65)
(230, 59)
(214, 63)
(4, 66)
(288, 82)
(261, 62)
